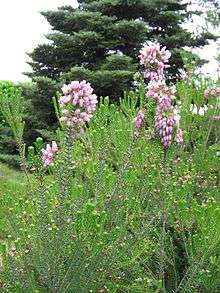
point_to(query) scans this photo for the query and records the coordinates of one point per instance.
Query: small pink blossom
(138, 120)
(49, 153)
(166, 117)
(160, 91)
(179, 136)
(183, 74)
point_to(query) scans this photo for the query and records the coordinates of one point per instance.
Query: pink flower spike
(49, 153)
(153, 58)
(78, 97)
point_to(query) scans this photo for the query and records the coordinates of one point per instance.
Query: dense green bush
(8, 145)
(119, 212)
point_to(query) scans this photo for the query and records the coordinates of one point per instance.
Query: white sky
(22, 28)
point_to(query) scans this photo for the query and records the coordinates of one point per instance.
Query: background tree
(99, 41)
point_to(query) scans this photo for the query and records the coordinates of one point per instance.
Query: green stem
(164, 220)
(23, 163)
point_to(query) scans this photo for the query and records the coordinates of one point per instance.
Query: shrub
(118, 207)
(8, 145)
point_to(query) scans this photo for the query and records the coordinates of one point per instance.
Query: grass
(12, 189)
(9, 176)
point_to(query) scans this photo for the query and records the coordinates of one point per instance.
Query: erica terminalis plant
(167, 127)
(75, 108)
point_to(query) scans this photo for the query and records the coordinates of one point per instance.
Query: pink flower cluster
(160, 91)
(154, 58)
(49, 153)
(165, 120)
(138, 120)
(209, 92)
(154, 61)
(77, 103)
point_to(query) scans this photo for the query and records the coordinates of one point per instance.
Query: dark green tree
(99, 41)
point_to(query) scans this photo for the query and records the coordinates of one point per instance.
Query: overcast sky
(22, 28)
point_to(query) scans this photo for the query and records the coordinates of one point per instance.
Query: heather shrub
(125, 198)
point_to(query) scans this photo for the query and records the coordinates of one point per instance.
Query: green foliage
(45, 114)
(12, 108)
(118, 212)
(105, 80)
(119, 63)
(11, 129)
